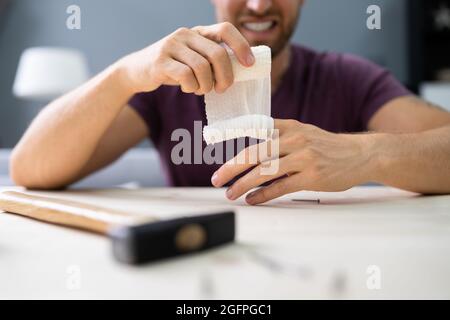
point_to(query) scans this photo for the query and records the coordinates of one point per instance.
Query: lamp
(45, 73)
(436, 92)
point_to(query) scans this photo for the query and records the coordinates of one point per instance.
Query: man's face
(262, 22)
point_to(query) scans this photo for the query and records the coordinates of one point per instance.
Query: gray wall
(112, 28)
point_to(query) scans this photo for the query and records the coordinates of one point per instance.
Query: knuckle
(290, 139)
(308, 127)
(210, 87)
(183, 31)
(292, 123)
(185, 74)
(220, 86)
(309, 154)
(197, 28)
(298, 157)
(201, 65)
(219, 53)
(300, 138)
(186, 89)
(204, 88)
(226, 26)
(168, 44)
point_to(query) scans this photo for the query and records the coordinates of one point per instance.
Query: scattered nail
(339, 282)
(307, 200)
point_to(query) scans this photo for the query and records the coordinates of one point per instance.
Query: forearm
(64, 135)
(418, 162)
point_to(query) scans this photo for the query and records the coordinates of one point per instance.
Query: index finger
(227, 33)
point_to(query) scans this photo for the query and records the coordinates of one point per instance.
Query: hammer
(135, 239)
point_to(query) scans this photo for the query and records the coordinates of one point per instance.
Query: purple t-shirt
(336, 92)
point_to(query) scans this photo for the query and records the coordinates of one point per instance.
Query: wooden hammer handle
(64, 212)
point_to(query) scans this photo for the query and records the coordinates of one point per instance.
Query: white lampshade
(45, 73)
(436, 92)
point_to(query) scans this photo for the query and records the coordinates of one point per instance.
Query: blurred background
(414, 43)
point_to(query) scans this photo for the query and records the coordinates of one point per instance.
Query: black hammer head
(168, 238)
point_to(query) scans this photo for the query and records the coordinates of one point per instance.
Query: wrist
(378, 158)
(121, 76)
(372, 156)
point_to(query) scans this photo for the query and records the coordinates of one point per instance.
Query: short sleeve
(146, 105)
(368, 87)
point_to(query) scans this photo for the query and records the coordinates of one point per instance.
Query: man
(321, 97)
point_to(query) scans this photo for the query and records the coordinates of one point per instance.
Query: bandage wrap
(244, 109)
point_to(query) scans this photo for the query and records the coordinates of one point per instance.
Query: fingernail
(250, 59)
(250, 198)
(229, 194)
(214, 179)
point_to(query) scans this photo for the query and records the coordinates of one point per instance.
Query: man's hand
(309, 159)
(192, 58)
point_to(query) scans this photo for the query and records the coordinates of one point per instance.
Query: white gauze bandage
(244, 109)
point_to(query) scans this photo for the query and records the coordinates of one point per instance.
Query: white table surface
(284, 250)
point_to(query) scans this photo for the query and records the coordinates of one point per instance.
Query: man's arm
(414, 151)
(127, 130)
(408, 114)
(411, 150)
(418, 162)
(60, 142)
(89, 127)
